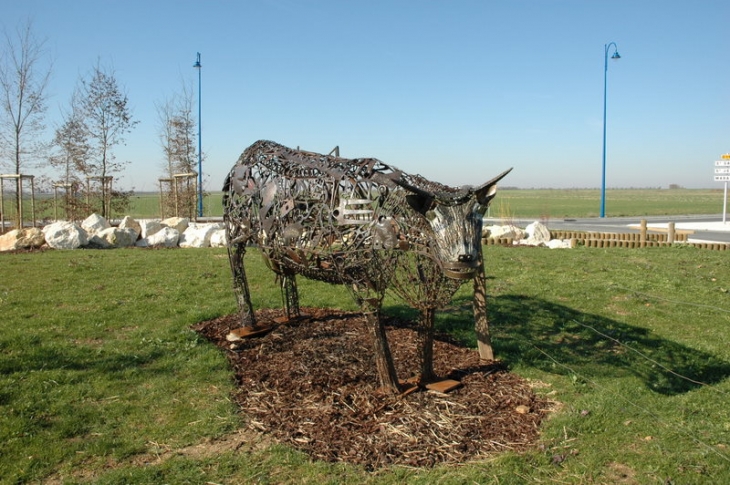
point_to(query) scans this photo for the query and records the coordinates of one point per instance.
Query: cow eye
(420, 203)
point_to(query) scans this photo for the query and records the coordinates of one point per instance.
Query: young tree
(106, 118)
(71, 156)
(177, 138)
(24, 77)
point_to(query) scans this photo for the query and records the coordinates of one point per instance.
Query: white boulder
(559, 244)
(148, 227)
(95, 223)
(507, 231)
(114, 237)
(129, 223)
(197, 235)
(165, 237)
(65, 235)
(218, 239)
(178, 223)
(22, 239)
(538, 232)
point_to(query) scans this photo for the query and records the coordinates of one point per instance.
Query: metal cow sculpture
(361, 223)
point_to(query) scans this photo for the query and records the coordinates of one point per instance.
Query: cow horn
(485, 191)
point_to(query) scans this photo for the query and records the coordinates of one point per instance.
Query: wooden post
(642, 234)
(670, 234)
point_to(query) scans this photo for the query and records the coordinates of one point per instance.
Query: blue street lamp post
(615, 55)
(199, 67)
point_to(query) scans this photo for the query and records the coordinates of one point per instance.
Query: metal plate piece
(445, 386)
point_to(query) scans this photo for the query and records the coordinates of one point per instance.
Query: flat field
(509, 203)
(543, 203)
(561, 203)
(103, 381)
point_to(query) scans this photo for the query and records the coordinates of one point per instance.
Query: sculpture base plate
(247, 332)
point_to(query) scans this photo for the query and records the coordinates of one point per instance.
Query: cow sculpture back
(363, 224)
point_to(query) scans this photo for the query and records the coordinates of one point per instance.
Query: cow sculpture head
(455, 216)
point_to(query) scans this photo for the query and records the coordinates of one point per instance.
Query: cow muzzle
(464, 269)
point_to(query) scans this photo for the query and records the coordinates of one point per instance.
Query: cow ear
(486, 192)
(420, 202)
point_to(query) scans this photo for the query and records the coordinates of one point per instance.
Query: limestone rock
(65, 235)
(178, 223)
(114, 237)
(197, 235)
(22, 239)
(95, 223)
(538, 232)
(165, 237)
(507, 231)
(148, 227)
(559, 244)
(218, 239)
(129, 223)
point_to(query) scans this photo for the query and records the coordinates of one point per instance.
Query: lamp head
(616, 56)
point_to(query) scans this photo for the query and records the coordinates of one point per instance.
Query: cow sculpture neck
(361, 223)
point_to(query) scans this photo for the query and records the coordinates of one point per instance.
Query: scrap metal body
(358, 222)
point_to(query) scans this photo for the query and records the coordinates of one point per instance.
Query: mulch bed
(312, 384)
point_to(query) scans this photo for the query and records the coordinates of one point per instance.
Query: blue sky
(457, 91)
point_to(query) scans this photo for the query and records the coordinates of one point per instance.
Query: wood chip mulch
(312, 385)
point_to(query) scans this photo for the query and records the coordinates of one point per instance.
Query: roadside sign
(724, 176)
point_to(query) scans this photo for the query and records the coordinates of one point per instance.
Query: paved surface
(704, 228)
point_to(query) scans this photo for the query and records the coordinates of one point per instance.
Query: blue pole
(606, 47)
(199, 67)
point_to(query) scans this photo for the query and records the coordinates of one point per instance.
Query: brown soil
(312, 385)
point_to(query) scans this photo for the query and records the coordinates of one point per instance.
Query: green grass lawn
(102, 380)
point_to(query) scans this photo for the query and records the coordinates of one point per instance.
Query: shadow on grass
(558, 339)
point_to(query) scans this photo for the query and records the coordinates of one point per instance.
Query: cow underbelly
(329, 266)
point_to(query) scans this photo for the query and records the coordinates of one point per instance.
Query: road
(705, 228)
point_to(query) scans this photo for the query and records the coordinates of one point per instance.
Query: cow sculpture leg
(481, 324)
(290, 295)
(236, 253)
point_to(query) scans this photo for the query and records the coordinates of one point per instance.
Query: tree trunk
(383, 357)
(425, 337)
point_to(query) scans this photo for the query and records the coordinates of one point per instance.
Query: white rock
(165, 237)
(197, 235)
(22, 239)
(129, 223)
(65, 235)
(95, 223)
(558, 244)
(508, 231)
(179, 223)
(115, 237)
(538, 233)
(148, 227)
(218, 239)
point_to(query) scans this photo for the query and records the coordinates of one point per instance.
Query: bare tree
(71, 156)
(104, 112)
(177, 138)
(24, 76)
